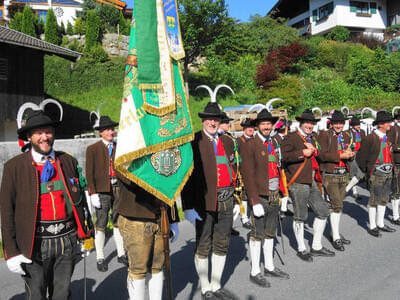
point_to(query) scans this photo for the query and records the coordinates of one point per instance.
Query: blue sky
(242, 10)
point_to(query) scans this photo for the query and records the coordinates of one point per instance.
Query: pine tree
(16, 21)
(70, 30)
(62, 28)
(79, 26)
(51, 34)
(92, 29)
(28, 22)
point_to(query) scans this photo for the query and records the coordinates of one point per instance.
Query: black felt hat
(225, 118)
(36, 119)
(307, 115)
(382, 117)
(337, 116)
(211, 110)
(105, 122)
(265, 115)
(248, 122)
(354, 121)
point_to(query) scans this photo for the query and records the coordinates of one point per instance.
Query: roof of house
(13, 37)
(289, 8)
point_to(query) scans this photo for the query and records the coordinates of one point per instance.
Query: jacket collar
(40, 158)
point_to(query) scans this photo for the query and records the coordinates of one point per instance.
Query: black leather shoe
(209, 296)
(224, 294)
(123, 260)
(260, 280)
(344, 240)
(247, 225)
(304, 255)
(322, 252)
(374, 232)
(338, 245)
(276, 273)
(235, 232)
(386, 229)
(395, 222)
(102, 265)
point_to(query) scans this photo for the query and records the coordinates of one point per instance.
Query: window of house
(364, 8)
(323, 11)
(301, 23)
(1, 14)
(3, 69)
(42, 14)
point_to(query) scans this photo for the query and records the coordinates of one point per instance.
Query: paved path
(368, 269)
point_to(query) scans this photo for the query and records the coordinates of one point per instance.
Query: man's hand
(308, 152)
(191, 215)
(14, 264)
(95, 200)
(258, 210)
(346, 154)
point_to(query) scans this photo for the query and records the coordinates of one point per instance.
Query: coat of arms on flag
(155, 129)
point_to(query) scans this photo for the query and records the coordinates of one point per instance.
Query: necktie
(48, 171)
(110, 148)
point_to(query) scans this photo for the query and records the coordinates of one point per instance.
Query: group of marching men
(271, 165)
(43, 215)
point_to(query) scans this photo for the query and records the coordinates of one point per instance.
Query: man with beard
(375, 159)
(300, 151)
(261, 176)
(43, 212)
(103, 189)
(208, 201)
(334, 156)
(394, 137)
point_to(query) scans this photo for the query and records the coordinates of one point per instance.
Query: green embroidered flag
(155, 128)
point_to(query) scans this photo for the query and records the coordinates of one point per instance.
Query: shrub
(79, 26)
(69, 30)
(124, 26)
(16, 21)
(40, 27)
(28, 22)
(92, 30)
(51, 33)
(339, 33)
(370, 42)
(62, 28)
(98, 54)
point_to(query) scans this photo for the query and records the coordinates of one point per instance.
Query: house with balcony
(320, 16)
(65, 10)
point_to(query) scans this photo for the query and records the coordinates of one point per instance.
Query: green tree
(40, 26)
(339, 33)
(69, 30)
(79, 26)
(51, 33)
(92, 30)
(28, 22)
(16, 21)
(62, 28)
(109, 16)
(124, 27)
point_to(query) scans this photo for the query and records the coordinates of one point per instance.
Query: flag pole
(167, 259)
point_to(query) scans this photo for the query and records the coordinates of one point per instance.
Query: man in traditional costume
(334, 156)
(300, 151)
(43, 211)
(394, 137)
(208, 201)
(261, 176)
(103, 190)
(375, 159)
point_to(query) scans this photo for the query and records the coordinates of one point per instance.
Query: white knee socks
(255, 249)
(201, 265)
(136, 288)
(118, 242)
(318, 226)
(156, 286)
(268, 248)
(217, 264)
(298, 228)
(99, 240)
(335, 220)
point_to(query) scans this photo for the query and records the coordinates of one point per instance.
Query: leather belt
(384, 168)
(53, 229)
(339, 170)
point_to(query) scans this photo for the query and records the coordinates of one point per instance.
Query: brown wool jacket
(292, 154)
(369, 152)
(135, 203)
(353, 134)
(19, 201)
(241, 141)
(394, 138)
(97, 168)
(200, 192)
(254, 168)
(329, 156)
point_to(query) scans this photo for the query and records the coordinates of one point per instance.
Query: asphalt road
(368, 269)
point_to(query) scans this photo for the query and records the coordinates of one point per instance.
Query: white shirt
(262, 138)
(41, 158)
(212, 138)
(107, 143)
(379, 133)
(302, 132)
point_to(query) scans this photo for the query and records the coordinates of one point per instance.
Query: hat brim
(272, 120)
(307, 120)
(374, 123)
(337, 120)
(204, 115)
(24, 130)
(105, 126)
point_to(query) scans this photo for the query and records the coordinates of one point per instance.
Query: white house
(321, 16)
(65, 10)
